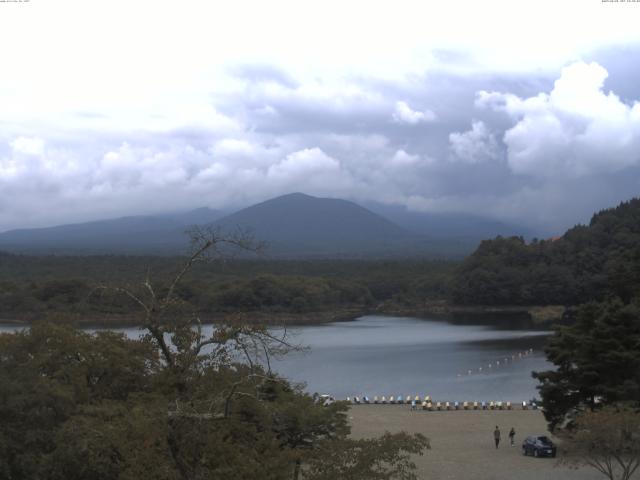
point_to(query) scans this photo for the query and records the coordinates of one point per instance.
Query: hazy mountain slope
(473, 228)
(135, 234)
(294, 225)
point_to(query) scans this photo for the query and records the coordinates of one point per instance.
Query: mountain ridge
(128, 234)
(294, 225)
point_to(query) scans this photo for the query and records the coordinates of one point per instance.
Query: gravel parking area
(462, 445)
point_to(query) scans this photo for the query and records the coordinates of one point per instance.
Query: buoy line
(498, 363)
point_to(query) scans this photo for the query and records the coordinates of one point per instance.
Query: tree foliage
(175, 404)
(587, 263)
(372, 459)
(597, 361)
(607, 440)
(32, 287)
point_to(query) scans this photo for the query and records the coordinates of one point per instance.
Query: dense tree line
(587, 263)
(32, 287)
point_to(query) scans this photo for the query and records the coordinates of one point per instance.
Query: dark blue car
(538, 446)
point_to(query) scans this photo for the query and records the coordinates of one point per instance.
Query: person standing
(496, 436)
(512, 435)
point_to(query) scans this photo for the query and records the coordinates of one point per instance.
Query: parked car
(538, 446)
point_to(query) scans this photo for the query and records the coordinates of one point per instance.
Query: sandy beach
(462, 442)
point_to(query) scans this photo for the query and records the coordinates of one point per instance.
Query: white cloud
(130, 168)
(575, 130)
(302, 165)
(477, 145)
(233, 147)
(404, 114)
(404, 159)
(28, 145)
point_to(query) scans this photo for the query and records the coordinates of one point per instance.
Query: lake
(377, 355)
(382, 355)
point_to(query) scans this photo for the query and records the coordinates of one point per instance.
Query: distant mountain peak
(290, 197)
(294, 195)
(298, 224)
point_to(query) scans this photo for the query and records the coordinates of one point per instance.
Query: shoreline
(259, 317)
(537, 317)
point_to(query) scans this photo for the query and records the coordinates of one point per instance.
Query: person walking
(512, 435)
(496, 436)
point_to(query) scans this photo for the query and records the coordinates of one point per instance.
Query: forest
(32, 287)
(589, 262)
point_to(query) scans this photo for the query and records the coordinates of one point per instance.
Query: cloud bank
(576, 130)
(544, 151)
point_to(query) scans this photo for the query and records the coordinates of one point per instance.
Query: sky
(523, 111)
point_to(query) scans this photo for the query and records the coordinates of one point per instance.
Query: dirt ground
(462, 444)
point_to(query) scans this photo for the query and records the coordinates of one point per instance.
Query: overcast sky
(526, 111)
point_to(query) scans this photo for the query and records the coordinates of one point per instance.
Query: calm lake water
(379, 355)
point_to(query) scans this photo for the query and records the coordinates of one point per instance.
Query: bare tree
(178, 334)
(607, 440)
